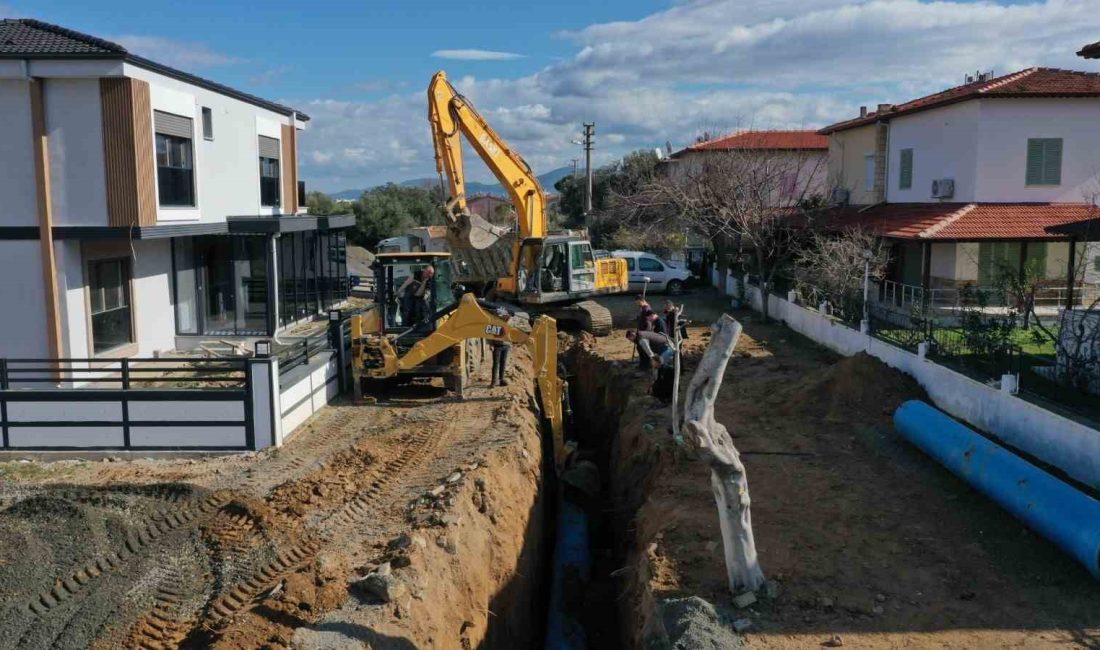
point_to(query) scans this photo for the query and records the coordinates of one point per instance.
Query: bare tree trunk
(731, 487)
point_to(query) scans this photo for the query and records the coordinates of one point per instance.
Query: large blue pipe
(1056, 510)
(564, 631)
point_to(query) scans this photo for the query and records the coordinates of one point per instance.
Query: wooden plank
(128, 152)
(290, 169)
(45, 216)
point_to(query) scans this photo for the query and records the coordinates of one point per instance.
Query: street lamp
(868, 255)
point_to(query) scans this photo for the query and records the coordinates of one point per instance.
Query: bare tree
(761, 200)
(836, 263)
(727, 473)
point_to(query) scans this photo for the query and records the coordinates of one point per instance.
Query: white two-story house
(145, 207)
(971, 179)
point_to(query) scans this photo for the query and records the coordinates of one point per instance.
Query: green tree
(391, 210)
(320, 203)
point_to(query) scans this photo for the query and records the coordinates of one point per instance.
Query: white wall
(982, 144)
(74, 307)
(1068, 445)
(16, 155)
(154, 312)
(21, 292)
(1007, 124)
(74, 128)
(227, 168)
(306, 395)
(945, 145)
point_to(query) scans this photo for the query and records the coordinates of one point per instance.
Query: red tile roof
(1033, 82)
(762, 140)
(1090, 51)
(964, 221)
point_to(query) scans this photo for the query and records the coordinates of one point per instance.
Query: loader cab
(412, 286)
(556, 268)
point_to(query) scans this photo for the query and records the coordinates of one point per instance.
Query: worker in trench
(658, 351)
(500, 350)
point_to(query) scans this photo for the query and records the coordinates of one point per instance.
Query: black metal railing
(128, 373)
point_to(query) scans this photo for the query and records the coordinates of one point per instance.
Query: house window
(109, 302)
(905, 175)
(175, 160)
(207, 123)
(1044, 161)
(869, 172)
(269, 172)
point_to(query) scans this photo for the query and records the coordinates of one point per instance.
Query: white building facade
(146, 206)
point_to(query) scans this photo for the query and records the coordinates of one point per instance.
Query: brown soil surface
(867, 539)
(263, 550)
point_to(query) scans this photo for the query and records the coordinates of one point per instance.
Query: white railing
(951, 298)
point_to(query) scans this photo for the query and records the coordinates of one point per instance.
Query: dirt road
(871, 543)
(250, 551)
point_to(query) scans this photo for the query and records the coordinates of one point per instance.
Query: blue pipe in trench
(572, 562)
(1051, 507)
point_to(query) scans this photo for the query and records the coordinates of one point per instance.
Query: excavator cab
(556, 268)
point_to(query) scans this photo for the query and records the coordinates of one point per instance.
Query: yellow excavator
(547, 273)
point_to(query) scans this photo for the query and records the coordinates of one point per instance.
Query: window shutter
(906, 173)
(1034, 162)
(169, 124)
(269, 147)
(1052, 162)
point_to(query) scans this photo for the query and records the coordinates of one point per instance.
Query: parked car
(663, 275)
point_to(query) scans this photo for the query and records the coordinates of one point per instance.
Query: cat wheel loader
(439, 336)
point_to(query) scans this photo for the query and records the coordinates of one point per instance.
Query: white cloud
(269, 76)
(476, 55)
(185, 55)
(715, 65)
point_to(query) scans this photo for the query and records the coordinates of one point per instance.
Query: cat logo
(495, 330)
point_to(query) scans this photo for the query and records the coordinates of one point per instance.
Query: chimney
(863, 111)
(882, 108)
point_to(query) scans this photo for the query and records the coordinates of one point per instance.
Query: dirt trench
(866, 541)
(269, 550)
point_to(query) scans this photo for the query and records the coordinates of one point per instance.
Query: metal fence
(128, 404)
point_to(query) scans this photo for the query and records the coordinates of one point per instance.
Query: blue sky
(647, 71)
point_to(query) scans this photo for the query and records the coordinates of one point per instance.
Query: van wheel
(674, 287)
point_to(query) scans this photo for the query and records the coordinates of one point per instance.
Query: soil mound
(853, 388)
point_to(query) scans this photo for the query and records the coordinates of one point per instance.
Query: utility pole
(589, 132)
(575, 161)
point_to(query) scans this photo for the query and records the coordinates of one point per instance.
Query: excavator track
(590, 315)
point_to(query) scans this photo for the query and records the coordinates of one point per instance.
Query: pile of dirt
(854, 388)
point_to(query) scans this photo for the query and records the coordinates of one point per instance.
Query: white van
(663, 276)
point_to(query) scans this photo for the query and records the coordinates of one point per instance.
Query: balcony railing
(1047, 299)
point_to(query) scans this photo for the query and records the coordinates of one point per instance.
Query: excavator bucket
(470, 230)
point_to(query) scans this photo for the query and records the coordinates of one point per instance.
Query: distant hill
(547, 180)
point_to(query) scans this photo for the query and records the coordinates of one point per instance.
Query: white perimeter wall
(304, 396)
(1068, 445)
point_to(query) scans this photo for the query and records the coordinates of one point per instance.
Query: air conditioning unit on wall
(943, 188)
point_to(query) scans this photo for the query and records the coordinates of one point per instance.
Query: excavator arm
(470, 320)
(449, 114)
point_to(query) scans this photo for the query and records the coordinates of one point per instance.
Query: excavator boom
(450, 114)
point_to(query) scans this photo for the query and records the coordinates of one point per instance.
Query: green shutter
(1034, 161)
(1044, 161)
(905, 180)
(1052, 162)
